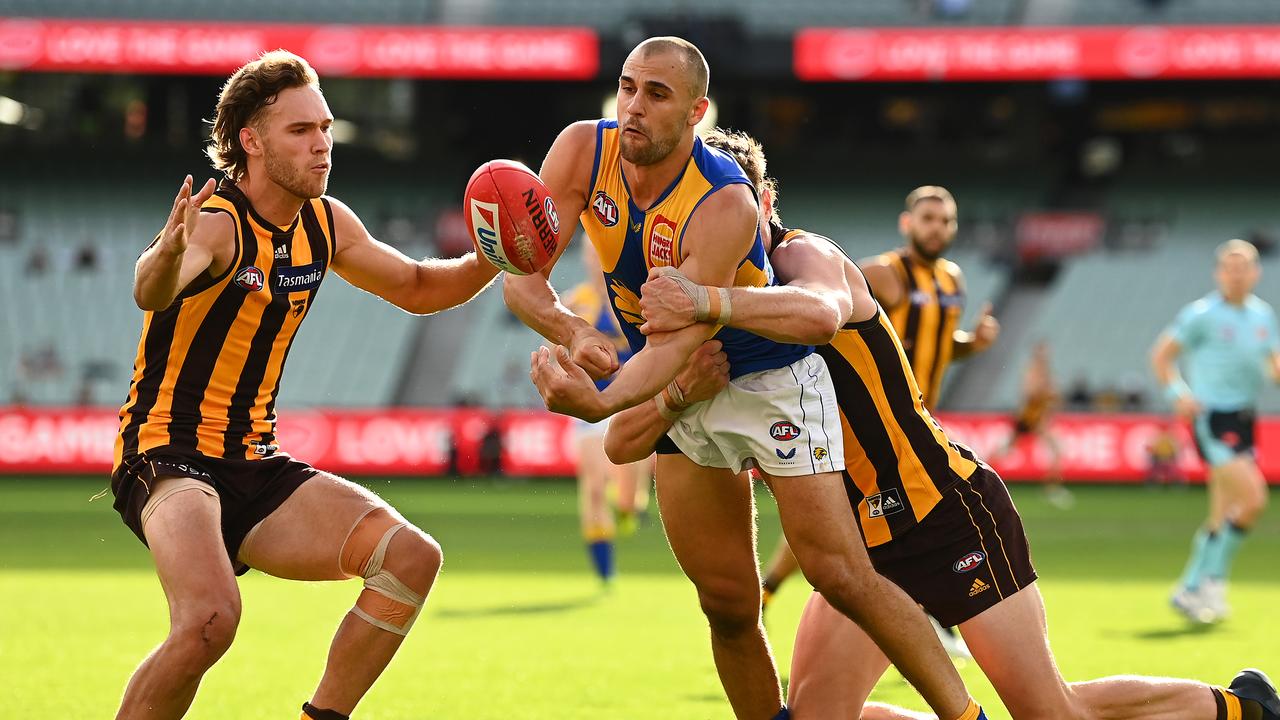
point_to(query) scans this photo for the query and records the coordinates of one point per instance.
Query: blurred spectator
(1079, 396)
(86, 258)
(1162, 452)
(1133, 394)
(951, 8)
(38, 261)
(8, 226)
(1262, 240)
(1107, 400)
(36, 366)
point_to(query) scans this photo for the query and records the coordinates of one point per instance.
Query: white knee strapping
(405, 604)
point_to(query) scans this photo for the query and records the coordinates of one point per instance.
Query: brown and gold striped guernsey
(927, 316)
(208, 367)
(898, 461)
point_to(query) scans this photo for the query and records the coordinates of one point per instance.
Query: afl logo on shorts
(661, 239)
(969, 562)
(784, 431)
(251, 279)
(605, 208)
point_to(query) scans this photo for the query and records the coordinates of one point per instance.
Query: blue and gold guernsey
(630, 241)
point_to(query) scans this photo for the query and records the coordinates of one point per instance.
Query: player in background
(198, 474)
(650, 193)
(589, 300)
(940, 523)
(1229, 345)
(923, 294)
(1034, 422)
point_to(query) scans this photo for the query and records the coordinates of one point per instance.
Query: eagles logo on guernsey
(208, 367)
(927, 317)
(630, 241)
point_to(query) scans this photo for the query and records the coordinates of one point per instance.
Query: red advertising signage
(1096, 448)
(206, 48)
(1058, 234)
(1038, 53)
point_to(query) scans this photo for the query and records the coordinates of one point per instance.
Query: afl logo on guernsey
(662, 237)
(605, 208)
(251, 279)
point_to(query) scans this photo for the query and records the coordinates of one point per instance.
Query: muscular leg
(709, 517)
(1010, 645)
(185, 536)
(824, 536)
(304, 539)
(834, 665)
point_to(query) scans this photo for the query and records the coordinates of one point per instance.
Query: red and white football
(511, 217)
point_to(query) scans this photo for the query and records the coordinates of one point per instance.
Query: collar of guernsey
(630, 241)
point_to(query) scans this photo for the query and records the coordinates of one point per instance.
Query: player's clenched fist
(594, 352)
(669, 300)
(706, 373)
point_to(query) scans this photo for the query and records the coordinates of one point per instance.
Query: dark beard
(922, 252)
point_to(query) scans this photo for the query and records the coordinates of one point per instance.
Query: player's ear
(766, 203)
(904, 222)
(698, 111)
(250, 141)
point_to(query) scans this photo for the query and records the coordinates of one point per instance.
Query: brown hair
(698, 72)
(249, 91)
(750, 155)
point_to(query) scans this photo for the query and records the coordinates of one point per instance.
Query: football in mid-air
(511, 217)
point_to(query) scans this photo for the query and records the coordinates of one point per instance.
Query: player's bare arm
(633, 433)
(715, 239)
(188, 246)
(420, 287)
(1164, 362)
(822, 294)
(566, 171)
(886, 285)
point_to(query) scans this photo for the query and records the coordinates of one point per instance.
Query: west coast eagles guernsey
(631, 240)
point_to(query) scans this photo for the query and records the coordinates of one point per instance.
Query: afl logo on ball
(605, 208)
(969, 562)
(553, 217)
(784, 431)
(250, 278)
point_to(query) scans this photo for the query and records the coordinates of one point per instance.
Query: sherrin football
(511, 217)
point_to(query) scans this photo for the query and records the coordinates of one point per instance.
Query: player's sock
(600, 550)
(311, 712)
(973, 712)
(1195, 569)
(1222, 551)
(768, 589)
(783, 714)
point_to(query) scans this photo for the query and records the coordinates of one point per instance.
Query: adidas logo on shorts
(978, 587)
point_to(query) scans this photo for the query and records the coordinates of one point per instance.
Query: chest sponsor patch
(297, 279)
(662, 238)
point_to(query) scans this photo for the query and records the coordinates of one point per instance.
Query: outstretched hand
(183, 217)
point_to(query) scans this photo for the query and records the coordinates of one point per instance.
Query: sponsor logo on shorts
(662, 238)
(819, 453)
(298, 279)
(789, 454)
(605, 208)
(251, 279)
(969, 562)
(159, 466)
(884, 503)
(978, 587)
(784, 431)
(261, 448)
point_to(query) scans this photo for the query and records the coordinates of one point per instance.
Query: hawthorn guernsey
(511, 217)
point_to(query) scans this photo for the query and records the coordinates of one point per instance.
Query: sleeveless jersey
(927, 317)
(587, 303)
(630, 241)
(898, 461)
(208, 367)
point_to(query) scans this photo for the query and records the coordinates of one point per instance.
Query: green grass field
(518, 628)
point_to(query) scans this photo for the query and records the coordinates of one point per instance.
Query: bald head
(693, 66)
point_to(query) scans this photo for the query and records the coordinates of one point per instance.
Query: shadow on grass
(545, 608)
(1174, 633)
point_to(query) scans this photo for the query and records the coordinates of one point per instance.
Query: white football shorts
(784, 421)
